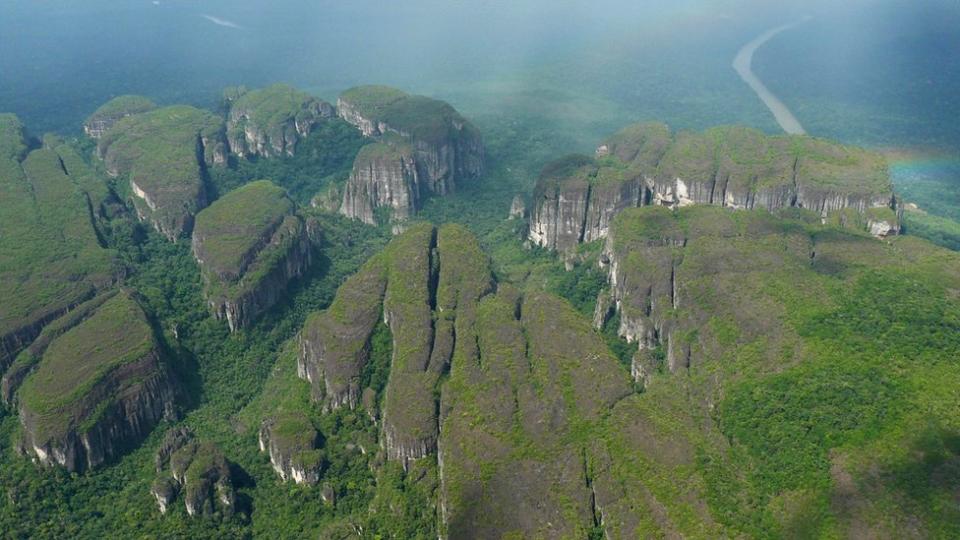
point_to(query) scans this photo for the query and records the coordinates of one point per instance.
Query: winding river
(743, 65)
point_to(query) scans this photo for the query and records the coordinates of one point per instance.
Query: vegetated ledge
(163, 153)
(426, 148)
(98, 389)
(577, 197)
(250, 244)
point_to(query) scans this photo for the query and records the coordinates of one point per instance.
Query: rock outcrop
(196, 469)
(518, 207)
(51, 256)
(384, 177)
(335, 343)
(98, 388)
(436, 150)
(271, 121)
(293, 444)
(669, 272)
(164, 154)
(425, 283)
(577, 197)
(113, 111)
(250, 244)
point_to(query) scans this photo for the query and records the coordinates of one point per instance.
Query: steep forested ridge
(284, 319)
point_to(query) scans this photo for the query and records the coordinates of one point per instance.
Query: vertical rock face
(197, 470)
(663, 266)
(518, 207)
(113, 111)
(384, 176)
(164, 154)
(271, 121)
(577, 197)
(335, 344)
(98, 388)
(438, 149)
(293, 445)
(250, 244)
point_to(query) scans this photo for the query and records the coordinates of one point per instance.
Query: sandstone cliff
(98, 388)
(437, 150)
(164, 154)
(271, 121)
(196, 469)
(250, 244)
(385, 177)
(577, 197)
(292, 442)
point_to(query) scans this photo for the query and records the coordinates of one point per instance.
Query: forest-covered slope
(746, 357)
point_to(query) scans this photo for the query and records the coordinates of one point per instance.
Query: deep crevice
(586, 212)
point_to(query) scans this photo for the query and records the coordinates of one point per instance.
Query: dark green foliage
(939, 230)
(377, 370)
(323, 157)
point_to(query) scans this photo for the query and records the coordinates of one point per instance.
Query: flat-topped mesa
(98, 388)
(271, 121)
(426, 284)
(293, 444)
(444, 149)
(577, 197)
(113, 111)
(164, 154)
(250, 244)
(196, 469)
(51, 258)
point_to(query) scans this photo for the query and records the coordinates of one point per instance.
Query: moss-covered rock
(51, 257)
(197, 470)
(250, 244)
(98, 388)
(163, 153)
(271, 121)
(434, 150)
(114, 110)
(732, 167)
(293, 444)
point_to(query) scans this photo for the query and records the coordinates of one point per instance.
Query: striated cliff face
(198, 471)
(435, 150)
(577, 197)
(271, 121)
(425, 284)
(164, 154)
(384, 176)
(113, 111)
(98, 388)
(670, 272)
(292, 442)
(250, 244)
